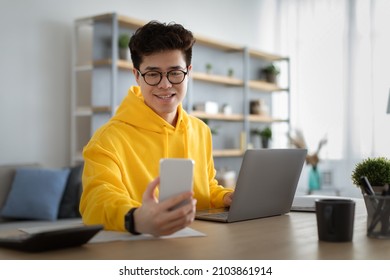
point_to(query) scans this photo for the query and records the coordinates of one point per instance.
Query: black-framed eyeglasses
(153, 78)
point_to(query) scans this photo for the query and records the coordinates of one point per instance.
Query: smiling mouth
(168, 96)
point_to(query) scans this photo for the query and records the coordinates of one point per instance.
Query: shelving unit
(101, 79)
(239, 89)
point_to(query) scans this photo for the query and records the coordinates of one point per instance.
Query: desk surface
(291, 236)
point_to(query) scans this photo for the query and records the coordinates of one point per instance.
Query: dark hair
(155, 37)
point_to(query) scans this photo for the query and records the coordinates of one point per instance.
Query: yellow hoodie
(123, 157)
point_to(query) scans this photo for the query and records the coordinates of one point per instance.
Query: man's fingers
(175, 200)
(179, 219)
(149, 191)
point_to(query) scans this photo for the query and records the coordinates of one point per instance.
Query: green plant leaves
(377, 171)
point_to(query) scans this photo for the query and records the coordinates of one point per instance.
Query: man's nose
(165, 83)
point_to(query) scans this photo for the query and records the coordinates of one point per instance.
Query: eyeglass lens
(154, 77)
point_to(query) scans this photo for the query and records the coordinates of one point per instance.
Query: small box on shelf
(208, 107)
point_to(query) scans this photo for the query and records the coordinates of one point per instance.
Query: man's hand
(228, 198)
(156, 218)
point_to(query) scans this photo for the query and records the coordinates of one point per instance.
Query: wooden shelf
(122, 64)
(227, 47)
(123, 21)
(262, 85)
(101, 109)
(264, 119)
(125, 64)
(228, 153)
(83, 111)
(84, 67)
(89, 111)
(218, 79)
(130, 22)
(236, 117)
(231, 117)
(266, 56)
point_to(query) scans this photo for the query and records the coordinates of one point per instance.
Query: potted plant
(270, 72)
(377, 171)
(265, 135)
(123, 42)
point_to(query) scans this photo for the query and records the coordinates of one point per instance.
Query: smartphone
(176, 176)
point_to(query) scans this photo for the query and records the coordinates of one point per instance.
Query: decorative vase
(314, 179)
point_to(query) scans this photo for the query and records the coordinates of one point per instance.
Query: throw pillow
(69, 206)
(7, 174)
(35, 194)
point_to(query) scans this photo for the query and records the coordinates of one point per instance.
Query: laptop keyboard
(222, 215)
(216, 213)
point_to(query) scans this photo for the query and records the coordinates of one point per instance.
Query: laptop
(266, 186)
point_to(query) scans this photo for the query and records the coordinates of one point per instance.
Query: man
(121, 169)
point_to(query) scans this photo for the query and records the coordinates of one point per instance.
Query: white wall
(35, 55)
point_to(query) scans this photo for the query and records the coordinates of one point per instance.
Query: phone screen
(176, 176)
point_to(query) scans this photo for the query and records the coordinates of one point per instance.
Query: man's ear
(189, 69)
(136, 75)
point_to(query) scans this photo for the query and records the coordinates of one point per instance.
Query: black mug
(335, 219)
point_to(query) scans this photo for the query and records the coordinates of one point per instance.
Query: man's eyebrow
(151, 68)
(154, 68)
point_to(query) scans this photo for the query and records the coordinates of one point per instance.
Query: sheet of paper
(108, 236)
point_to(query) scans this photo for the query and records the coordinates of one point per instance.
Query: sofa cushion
(35, 194)
(7, 174)
(69, 206)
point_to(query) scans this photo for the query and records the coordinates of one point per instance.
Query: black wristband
(129, 222)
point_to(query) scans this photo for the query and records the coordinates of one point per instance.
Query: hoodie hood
(135, 112)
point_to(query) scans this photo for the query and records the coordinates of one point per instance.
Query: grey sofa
(65, 208)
